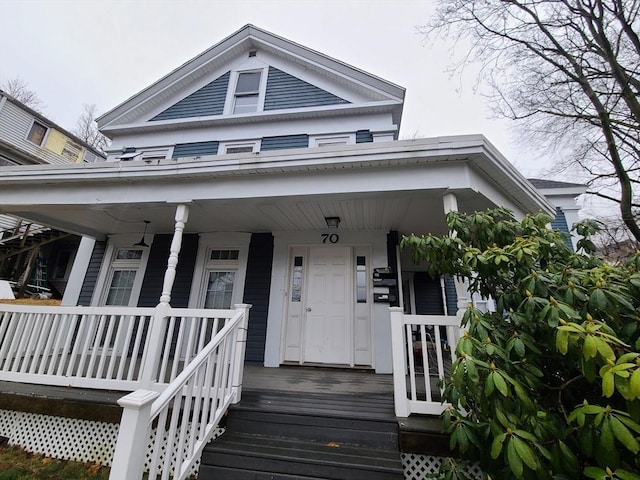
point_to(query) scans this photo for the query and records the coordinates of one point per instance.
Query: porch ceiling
(410, 211)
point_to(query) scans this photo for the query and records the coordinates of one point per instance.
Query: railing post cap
(138, 399)
(396, 309)
(243, 305)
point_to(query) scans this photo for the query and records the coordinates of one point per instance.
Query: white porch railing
(115, 348)
(422, 355)
(186, 413)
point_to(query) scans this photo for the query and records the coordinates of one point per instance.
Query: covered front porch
(169, 247)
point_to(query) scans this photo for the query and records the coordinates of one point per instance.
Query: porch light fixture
(332, 222)
(142, 243)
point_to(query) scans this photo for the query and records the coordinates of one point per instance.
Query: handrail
(175, 386)
(186, 414)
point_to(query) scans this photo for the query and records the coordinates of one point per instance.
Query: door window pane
(296, 280)
(120, 288)
(361, 279)
(219, 290)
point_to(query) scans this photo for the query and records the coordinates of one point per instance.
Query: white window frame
(224, 146)
(159, 153)
(317, 141)
(110, 264)
(44, 137)
(252, 65)
(219, 241)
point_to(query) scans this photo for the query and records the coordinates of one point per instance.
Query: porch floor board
(317, 380)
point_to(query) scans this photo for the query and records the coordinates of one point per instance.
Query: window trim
(47, 129)
(253, 65)
(338, 139)
(254, 144)
(219, 241)
(110, 263)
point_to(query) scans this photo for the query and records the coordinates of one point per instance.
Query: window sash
(37, 133)
(121, 286)
(219, 289)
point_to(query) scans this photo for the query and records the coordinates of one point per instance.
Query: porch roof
(389, 185)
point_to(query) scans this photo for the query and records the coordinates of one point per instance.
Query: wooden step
(284, 436)
(273, 457)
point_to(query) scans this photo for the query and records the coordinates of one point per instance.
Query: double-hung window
(220, 277)
(122, 276)
(247, 92)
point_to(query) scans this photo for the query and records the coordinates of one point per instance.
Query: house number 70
(331, 238)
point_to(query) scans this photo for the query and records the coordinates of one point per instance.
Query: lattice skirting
(67, 438)
(417, 467)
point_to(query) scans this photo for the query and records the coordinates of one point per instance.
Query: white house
(297, 192)
(260, 172)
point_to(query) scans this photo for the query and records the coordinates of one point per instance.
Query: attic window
(252, 53)
(247, 93)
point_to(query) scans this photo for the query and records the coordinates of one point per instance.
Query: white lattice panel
(417, 467)
(67, 438)
(59, 437)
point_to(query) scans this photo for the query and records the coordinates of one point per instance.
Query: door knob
(308, 309)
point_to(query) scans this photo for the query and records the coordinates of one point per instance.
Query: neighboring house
(29, 138)
(562, 195)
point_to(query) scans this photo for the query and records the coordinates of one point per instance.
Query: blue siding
(428, 294)
(257, 286)
(287, 91)
(91, 277)
(364, 136)
(451, 294)
(209, 100)
(560, 224)
(196, 149)
(157, 264)
(285, 141)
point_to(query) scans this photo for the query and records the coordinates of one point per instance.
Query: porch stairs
(311, 436)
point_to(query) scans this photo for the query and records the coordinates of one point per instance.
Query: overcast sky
(102, 52)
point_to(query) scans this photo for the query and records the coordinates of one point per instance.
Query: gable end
(209, 100)
(287, 91)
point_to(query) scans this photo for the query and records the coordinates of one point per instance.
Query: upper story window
(328, 140)
(37, 133)
(247, 92)
(239, 147)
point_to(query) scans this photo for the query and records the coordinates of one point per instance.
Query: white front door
(328, 313)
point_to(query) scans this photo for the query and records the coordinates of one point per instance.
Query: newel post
(133, 437)
(240, 350)
(398, 353)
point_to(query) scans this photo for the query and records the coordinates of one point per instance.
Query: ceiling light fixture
(332, 222)
(142, 243)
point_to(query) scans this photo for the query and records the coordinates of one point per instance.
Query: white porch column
(182, 215)
(78, 272)
(156, 334)
(450, 203)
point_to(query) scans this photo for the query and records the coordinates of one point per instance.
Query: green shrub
(549, 385)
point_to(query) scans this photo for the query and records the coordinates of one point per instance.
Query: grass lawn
(16, 464)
